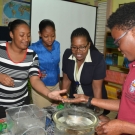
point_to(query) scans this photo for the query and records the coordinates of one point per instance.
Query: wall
(116, 3)
(1, 7)
(90, 2)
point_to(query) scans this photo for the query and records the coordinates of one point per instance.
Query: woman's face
(48, 36)
(80, 47)
(21, 36)
(126, 44)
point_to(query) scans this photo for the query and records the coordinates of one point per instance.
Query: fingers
(74, 100)
(43, 74)
(76, 95)
(59, 98)
(8, 82)
(62, 91)
(2, 120)
(55, 95)
(99, 130)
(12, 82)
(104, 118)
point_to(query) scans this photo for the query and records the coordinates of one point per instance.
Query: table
(50, 125)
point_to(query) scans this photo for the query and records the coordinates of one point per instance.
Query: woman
(17, 64)
(84, 67)
(48, 51)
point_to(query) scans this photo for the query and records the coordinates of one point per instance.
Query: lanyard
(77, 82)
(77, 75)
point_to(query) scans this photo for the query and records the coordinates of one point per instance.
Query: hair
(123, 18)
(45, 23)
(84, 33)
(12, 25)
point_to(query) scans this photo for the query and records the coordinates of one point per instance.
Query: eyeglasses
(81, 48)
(117, 40)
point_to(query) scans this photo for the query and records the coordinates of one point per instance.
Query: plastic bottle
(3, 126)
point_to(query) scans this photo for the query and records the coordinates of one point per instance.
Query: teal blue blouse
(48, 61)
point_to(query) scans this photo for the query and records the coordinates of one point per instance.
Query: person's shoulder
(3, 44)
(96, 52)
(96, 55)
(68, 52)
(32, 54)
(35, 44)
(29, 50)
(56, 43)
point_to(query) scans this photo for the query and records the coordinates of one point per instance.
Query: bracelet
(89, 102)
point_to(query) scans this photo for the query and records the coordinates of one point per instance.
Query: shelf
(111, 48)
(115, 77)
(118, 66)
(107, 81)
(115, 74)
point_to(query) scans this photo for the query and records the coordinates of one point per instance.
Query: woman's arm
(97, 88)
(38, 85)
(116, 127)
(109, 104)
(66, 82)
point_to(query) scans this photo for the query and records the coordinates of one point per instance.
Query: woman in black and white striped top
(17, 65)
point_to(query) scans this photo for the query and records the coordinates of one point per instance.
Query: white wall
(67, 16)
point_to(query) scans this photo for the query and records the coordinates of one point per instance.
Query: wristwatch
(88, 104)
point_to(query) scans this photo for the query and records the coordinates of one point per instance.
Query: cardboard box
(112, 91)
(115, 77)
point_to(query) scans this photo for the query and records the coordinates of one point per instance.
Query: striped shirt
(19, 72)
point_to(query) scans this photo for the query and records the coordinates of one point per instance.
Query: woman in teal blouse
(48, 51)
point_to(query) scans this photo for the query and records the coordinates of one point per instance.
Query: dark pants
(2, 109)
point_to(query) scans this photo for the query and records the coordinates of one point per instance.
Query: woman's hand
(56, 95)
(103, 119)
(43, 74)
(113, 127)
(78, 99)
(6, 80)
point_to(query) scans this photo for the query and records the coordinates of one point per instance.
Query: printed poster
(15, 9)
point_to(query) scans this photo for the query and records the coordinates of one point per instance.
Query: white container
(26, 120)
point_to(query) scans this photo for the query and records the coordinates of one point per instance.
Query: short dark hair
(83, 32)
(123, 18)
(45, 23)
(12, 25)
